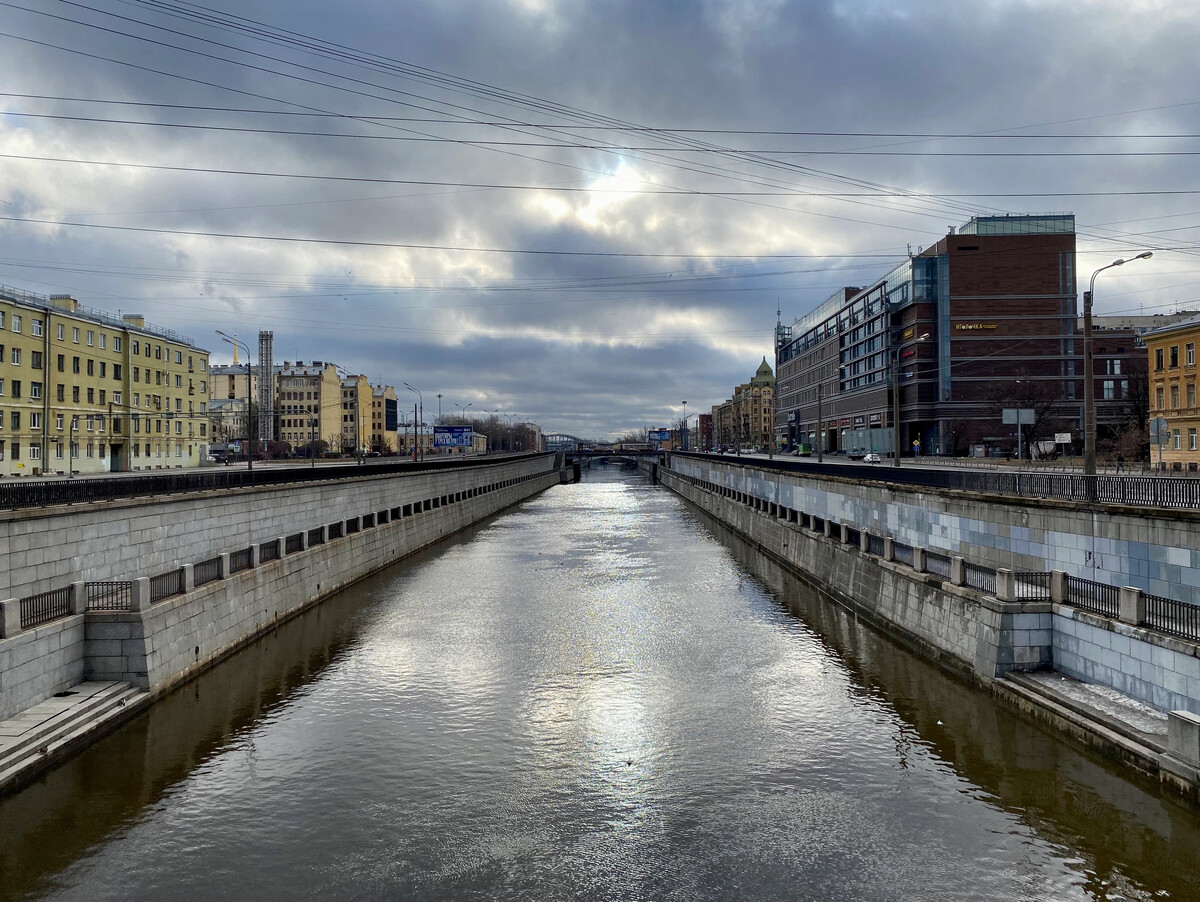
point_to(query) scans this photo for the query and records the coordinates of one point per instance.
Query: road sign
(1017, 416)
(1062, 438)
(1160, 432)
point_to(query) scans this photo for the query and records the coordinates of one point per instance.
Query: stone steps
(45, 733)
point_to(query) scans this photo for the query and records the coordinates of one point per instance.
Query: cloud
(654, 297)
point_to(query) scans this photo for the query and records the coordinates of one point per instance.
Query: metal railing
(1176, 618)
(1093, 596)
(114, 595)
(853, 537)
(902, 553)
(207, 571)
(875, 545)
(166, 585)
(48, 492)
(1180, 492)
(240, 560)
(1031, 586)
(980, 577)
(45, 606)
(938, 564)
(295, 542)
(315, 537)
(335, 530)
(268, 551)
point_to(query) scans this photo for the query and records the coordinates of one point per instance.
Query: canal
(595, 695)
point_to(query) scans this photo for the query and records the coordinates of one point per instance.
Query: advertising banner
(452, 436)
(659, 435)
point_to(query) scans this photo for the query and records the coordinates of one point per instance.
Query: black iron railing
(166, 585)
(875, 545)
(853, 537)
(980, 577)
(240, 560)
(268, 551)
(114, 595)
(295, 543)
(48, 492)
(316, 537)
(1144, 491)
(45, 606)
(1093, 596)
(1176, 618)
(1031, 586)
(902, 553)
(207, 571)
(938, 564)
(335, 530)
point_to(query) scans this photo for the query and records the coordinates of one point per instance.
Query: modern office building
(982, 321)
(1171, 353)
(84, 391)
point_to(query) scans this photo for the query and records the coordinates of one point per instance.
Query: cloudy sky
(581, 212)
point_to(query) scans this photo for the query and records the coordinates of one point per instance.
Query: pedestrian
(1120, 463)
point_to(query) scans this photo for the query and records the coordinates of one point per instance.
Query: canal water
(596, 695)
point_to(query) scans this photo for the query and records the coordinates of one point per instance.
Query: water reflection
(589, 697)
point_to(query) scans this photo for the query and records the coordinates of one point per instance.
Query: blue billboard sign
(659, 435)
(452, 436)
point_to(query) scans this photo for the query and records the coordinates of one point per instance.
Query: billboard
(391, 418)
(452, 436)
(659, 435)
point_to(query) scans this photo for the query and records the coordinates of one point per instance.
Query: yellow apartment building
(83, 391)
(1172, 371)
(356, 414)
(384, 414)
(309, 405)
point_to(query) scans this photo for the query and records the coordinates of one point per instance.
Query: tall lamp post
(228, 339)
(684, 437)
(439, 419)
(510, 417)
(417, 425)
(1089, 382)
(896, 400)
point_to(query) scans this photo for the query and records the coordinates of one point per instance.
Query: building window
(35, 452)
(58, 450)
(75, 335)
(16, 323)
(1158, 359)
(91, 367)
(91, 338)
(35, 419)
(102, 394)
(1175, 439)
(1191, 438)
(62, 332)
(1174, 356)
(75, 365)
(35, 389)
(103, 340)
(36, 325)
(117, 397)
(16, 356)
(117, 371)
(91, 395)
(1174, 397)
(74, 394)
(103, 369)
(1158, 398)
(179, 357)
(14, 422)
(1191, 394)
(1190, 353)
(59, 389)
(137, 347)
(58, 421)
(15, 388)
(35, 359)
(137, 374)
(62, 363)
(116, 342)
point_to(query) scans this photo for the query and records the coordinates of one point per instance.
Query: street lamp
(1089, 386)
(417, 423)
(510, 417)
(228, 339)
(896, 400)
(439, 397)
(463, 408)
(685, 427)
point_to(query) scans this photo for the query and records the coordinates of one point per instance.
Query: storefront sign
(974, 327)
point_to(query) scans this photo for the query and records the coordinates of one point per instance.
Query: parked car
(871, 458)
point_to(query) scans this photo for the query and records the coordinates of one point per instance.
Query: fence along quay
(157, 629)
(961, 605)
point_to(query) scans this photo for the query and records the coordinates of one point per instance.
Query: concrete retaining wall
(164, 643)
(1120, 546)
(49, 547)
(963, 629)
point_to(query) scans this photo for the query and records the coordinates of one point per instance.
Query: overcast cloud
(462, 264)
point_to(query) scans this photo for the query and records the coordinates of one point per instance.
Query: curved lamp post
(229, 339)
(896, 400)
(1089, 386)
(419, 422)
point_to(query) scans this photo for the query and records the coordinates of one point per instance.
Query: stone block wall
(1117, 545)
(51, 547)
(36, 663)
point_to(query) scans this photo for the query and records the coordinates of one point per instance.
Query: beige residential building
(748, 418)
(1172, 385)
(84, 391)
(356, 411)
(384, 414)
(308, 403)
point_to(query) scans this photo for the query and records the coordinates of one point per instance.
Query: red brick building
(983, 320)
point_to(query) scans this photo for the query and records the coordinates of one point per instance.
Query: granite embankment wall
(345, 530)
(965, 630)
(1120, 652)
